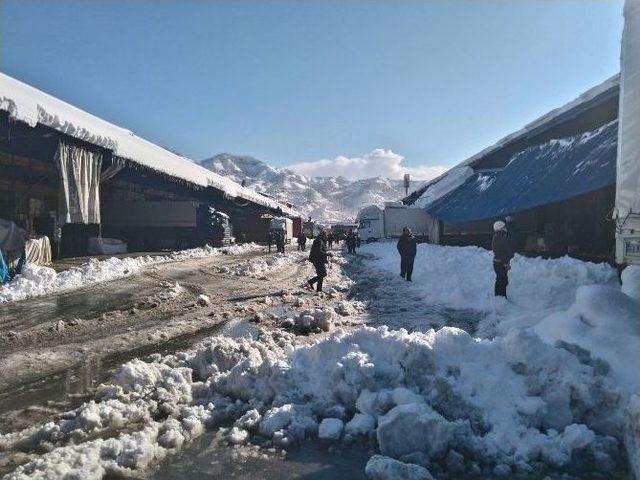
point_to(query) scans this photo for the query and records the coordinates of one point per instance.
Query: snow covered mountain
(327, 199)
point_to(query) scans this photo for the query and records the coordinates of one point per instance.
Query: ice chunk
(330, 429)
(361, 424)
(416, 427)
(384, 468)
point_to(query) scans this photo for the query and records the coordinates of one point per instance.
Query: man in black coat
(502, 255)
(280, 240)
(351, 242)
(319, 257)
(407, 249)
(302, 241)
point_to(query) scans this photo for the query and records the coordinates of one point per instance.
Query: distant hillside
(327, 199)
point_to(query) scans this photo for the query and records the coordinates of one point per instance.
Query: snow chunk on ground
(361, 425)
(384, 468)
(330, 429)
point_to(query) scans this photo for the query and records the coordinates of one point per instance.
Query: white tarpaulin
(38, 250)
(79, 184)
(628, 165)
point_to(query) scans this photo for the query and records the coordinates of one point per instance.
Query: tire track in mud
(56, 388)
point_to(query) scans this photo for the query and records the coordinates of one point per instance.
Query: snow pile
(263, 266)
(606, 324)
(631, 281)
(38, 280)
(463, 277)
(510, 405)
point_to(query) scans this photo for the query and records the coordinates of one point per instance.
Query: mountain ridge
(326, 199)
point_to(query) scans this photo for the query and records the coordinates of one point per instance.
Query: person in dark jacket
(502, 255)
(319, 257)
(280, 241)
(302, 241)
(407, 249)
(351, 242)
(330, 239)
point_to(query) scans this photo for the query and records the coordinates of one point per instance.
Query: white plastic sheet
(38, 250)
(627, 211)
(79, 183)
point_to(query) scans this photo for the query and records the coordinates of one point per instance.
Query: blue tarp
(4, 270)
(547, 173)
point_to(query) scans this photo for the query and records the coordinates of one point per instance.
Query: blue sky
(300, 81)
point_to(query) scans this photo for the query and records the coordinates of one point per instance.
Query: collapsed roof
(32, 106)
(551, 172)
(509, 145)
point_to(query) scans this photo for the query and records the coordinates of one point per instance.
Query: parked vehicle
(282, 224)
(375, 223)
(627, 207)
(154, 225)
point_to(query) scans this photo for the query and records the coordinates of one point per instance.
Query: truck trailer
(282, 224)
(158, 225)
(627, 206)
(375, 223)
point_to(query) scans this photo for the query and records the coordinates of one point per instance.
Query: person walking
(319, 257)
(351, 242)
(280, 241)
(330, 238)
(270, 239)
(502, 255)
(302, 241)
(407, 249)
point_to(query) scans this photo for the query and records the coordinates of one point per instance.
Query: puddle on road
(205, 458)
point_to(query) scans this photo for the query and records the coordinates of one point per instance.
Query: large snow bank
(463, 277)
(38, 280)
(514, 404)
(605, 322)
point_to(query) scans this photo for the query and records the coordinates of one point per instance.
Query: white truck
(375, 223)
(282, 224)
(627, 207)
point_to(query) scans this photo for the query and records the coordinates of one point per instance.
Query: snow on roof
(32, 106)
(459, 171)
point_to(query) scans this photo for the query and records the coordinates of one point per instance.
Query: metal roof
(547, 173)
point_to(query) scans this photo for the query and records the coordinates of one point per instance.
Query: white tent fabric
(628, 166)
(79, 184)
(38, 250)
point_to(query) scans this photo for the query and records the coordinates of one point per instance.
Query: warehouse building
(71, 176)
(555, 178)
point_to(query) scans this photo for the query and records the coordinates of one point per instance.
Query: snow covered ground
(542, 388)
(38, 280)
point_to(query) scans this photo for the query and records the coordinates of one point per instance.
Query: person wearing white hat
(502, 255)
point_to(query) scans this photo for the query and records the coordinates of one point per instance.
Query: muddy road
(55, 349)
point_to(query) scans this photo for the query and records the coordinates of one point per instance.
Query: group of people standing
(276, 237)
